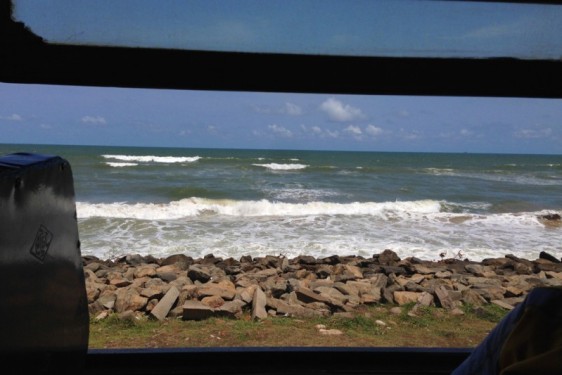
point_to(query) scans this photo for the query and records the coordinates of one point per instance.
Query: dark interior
(26, 58)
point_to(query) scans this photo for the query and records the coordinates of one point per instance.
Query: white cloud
(533, 133)
(12, 117)
(409, 135)
(280, 130)
(332, 133)
(96, 120)
(317, 129)
(466, 132)
(355, 130)
(212, 129)
(373, 130)
(322, 133)
(293, 109)
(338, 111)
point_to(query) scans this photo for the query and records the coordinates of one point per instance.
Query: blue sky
(42, 114)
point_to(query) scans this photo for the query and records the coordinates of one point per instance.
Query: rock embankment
(182, 287)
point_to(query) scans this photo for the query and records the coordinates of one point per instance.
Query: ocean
(234, 202)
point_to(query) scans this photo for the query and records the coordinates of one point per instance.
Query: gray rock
(259, 302)
(305, 286)
(161, 310)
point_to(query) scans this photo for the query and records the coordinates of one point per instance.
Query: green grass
(491, 312)
(431, 327)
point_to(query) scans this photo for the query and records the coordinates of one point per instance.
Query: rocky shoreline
(193, 289)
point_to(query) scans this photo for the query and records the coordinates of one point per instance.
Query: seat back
(44, 320)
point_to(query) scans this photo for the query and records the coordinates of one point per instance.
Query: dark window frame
(26, 58)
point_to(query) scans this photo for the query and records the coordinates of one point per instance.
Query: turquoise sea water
(228, 202)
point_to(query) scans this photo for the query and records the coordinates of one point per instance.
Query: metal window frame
(27, 59)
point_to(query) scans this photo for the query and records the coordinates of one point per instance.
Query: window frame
(27, 59)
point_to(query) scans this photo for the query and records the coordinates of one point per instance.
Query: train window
(323, 182)
(378, 168)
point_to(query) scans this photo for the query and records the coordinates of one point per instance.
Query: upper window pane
(398, 28)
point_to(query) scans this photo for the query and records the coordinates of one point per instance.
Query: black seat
(44, 321)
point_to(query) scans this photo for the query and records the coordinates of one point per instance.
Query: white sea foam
(120, 165)
(465, 206)
(312, 213)
(191, 207)
(300, 194)
(154, 159)
(282, 167)
(413, 229)
(440, 171)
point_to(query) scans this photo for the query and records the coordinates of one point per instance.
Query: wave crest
(282, 167)
(153, 158)
(121, 164)
(191, 207)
